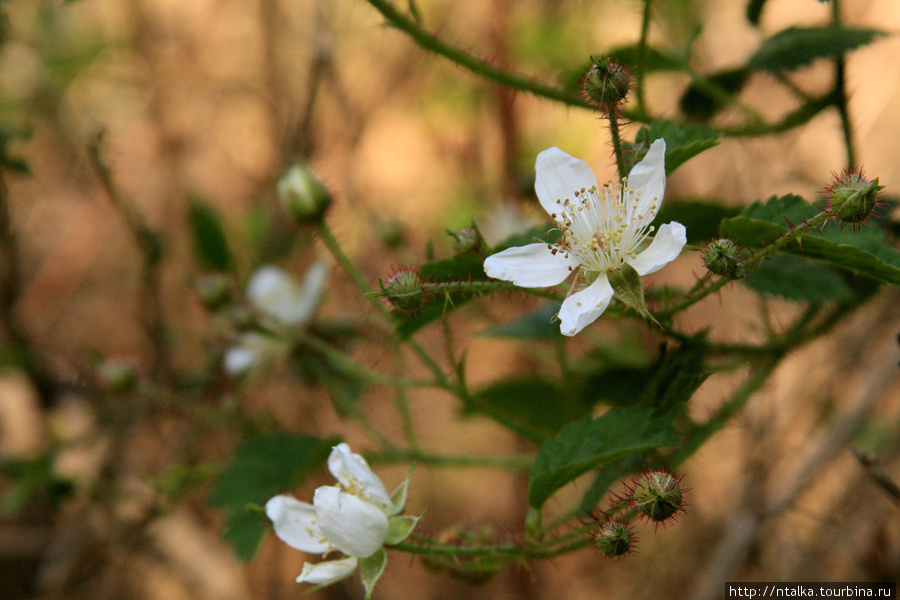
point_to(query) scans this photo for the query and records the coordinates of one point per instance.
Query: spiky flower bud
(723, 257)
(302, 195)
(613, 538)
(466, 240)
(606, 83)
(658, 495)
(851, 197)
(405, 290)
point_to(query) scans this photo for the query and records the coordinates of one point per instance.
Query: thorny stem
(616, 142)
(751, 262)
(478, 66)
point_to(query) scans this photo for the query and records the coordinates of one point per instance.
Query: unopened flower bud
(851, 197)
(466, 240)
(302, 195)
(213, 289)
(723, 257)
(404, 290)
(658, 495)
(613, 539)
(606, 83)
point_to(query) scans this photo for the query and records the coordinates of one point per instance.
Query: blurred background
(119, 115)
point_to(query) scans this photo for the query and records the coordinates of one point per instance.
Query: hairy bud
(851, 197)
(658, 495)
(723, 257)
(466, 240)
(606, 83)
(613, 539)
(404, 290)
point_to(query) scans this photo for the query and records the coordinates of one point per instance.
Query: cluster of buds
(852, 198)
(606, 84)
(724, 258)
(656, 495)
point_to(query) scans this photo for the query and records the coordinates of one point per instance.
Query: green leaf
(587, 444)
(210, 244)
(863, 251)
(700, 219)
(754, 11)
(798, 46)
(698, 103)
(795, 278)
(532, 407)
(683, 142)
(260, 468)
(607, 475)
(654, 58)
(537, 324)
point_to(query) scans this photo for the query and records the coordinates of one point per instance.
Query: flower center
(603, 227)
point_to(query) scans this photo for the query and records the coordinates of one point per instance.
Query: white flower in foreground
(275, 294)
(356, 517)
(603, 229)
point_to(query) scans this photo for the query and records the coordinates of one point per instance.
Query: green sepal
(399, 529)
(627, 284)
(398, 498)
(371, 568)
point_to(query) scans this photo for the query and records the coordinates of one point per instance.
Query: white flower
(356, 517)
(276, 295)
(602, 229)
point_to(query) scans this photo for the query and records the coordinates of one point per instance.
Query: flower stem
(752, 261)
(476, 65)
(338, 253)
(616, 142)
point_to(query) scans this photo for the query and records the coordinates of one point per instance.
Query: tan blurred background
(211, 99)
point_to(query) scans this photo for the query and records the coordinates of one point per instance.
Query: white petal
(296, 524)
(275, 293)
(353, 526)
(582, 308)
(239, 359)
(559, 175)
(665, 248)
(533, 265)
(353, 473)
(311, 290)
(648, 177)
(327, 572)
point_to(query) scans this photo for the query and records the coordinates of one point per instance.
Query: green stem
(441, 460)
(350, 366)
(478, 66)
(840, 92)
(617, 142)
(479, 287)
(338, 253)
(642, 57)
(698, 437)
(751, 262)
